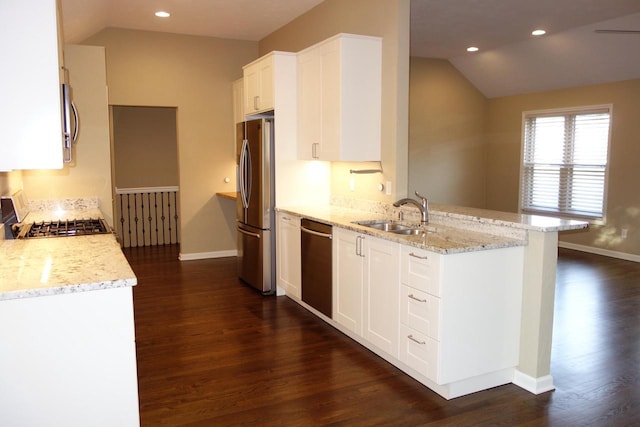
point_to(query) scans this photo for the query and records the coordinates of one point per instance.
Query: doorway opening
(145, 175)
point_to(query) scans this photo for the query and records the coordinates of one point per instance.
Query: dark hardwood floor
(212, 352)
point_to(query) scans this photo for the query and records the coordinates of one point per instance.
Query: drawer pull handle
(417, 256)
(415, 340)
(416, 298)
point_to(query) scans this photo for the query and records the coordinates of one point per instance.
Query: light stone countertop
(487, 217)
(60, 265)
(439, 238)
(450, 231)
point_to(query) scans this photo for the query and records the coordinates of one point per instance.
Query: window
(564, 162)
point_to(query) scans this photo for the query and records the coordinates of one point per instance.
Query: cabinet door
(309, 102)
(331, 102)
(288, 254)
(339, 99)
(238, 102)
(348, 279)
(30, 115)
(251, 78)
(319, 109)
(266, 85)
(258, 86)
(381, 294)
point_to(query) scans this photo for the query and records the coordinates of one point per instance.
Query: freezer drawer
(254, 258)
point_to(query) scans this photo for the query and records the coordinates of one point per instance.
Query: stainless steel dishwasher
(315, 245)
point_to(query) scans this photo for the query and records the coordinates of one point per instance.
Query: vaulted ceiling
(510, 61)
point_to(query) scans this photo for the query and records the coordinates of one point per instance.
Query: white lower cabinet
(348, 279)
(460, 313)
(69, 360)
(419, 351)
(365, 287)
(420, 311)
(450, 321)
(381, 278)
(288, 254)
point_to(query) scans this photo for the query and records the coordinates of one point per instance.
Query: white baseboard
(600, 251)
(533, 385)
(207, 255)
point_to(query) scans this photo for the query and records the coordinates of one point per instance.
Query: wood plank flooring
(212, 352)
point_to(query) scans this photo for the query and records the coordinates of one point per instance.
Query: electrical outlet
(388, 186)
(352, 184)
(623, 233)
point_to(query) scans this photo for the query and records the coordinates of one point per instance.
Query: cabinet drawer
(419, 352)
(421, 270)
(420, 311)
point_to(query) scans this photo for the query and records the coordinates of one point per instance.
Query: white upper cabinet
(258, 85)
(238, 101)
(339, 99)
(31, 114)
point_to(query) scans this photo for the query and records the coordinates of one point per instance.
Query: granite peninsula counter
(494, 254)
(59, 265)
(451, 229)
(67, 334)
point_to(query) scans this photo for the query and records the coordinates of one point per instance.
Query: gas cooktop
(63, 228)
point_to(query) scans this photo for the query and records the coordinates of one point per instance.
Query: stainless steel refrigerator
(255, 203)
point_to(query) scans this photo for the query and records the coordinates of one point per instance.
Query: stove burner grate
(72, 227)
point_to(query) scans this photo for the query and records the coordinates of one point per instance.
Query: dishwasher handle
(316, 233)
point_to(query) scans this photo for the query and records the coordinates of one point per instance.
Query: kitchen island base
(447, 391)
(69, 360)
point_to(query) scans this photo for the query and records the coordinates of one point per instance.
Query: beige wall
(195, 75)
(145, 147)
(10, 182)
(465, 149)
(90, 173)
(447, 116)
(388, 19)
(623, 199)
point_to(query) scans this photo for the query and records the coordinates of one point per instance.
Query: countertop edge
(46, 258)
(67, 289)
(508, 219)
(491, 241)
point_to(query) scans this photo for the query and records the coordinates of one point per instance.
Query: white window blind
(564, 165)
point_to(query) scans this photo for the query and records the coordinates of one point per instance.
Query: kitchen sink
(395, 227)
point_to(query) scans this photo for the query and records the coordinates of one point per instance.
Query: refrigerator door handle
(243, 174)
(256, 235)
(249, 167)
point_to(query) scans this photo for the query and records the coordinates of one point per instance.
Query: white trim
(599, 251)
(207, 255)
(146, 190)
(533, 385)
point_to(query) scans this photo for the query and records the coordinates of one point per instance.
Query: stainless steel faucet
(423, 205)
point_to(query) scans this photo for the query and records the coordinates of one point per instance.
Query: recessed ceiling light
(472, 49)
(538, 32)
(162, 14)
